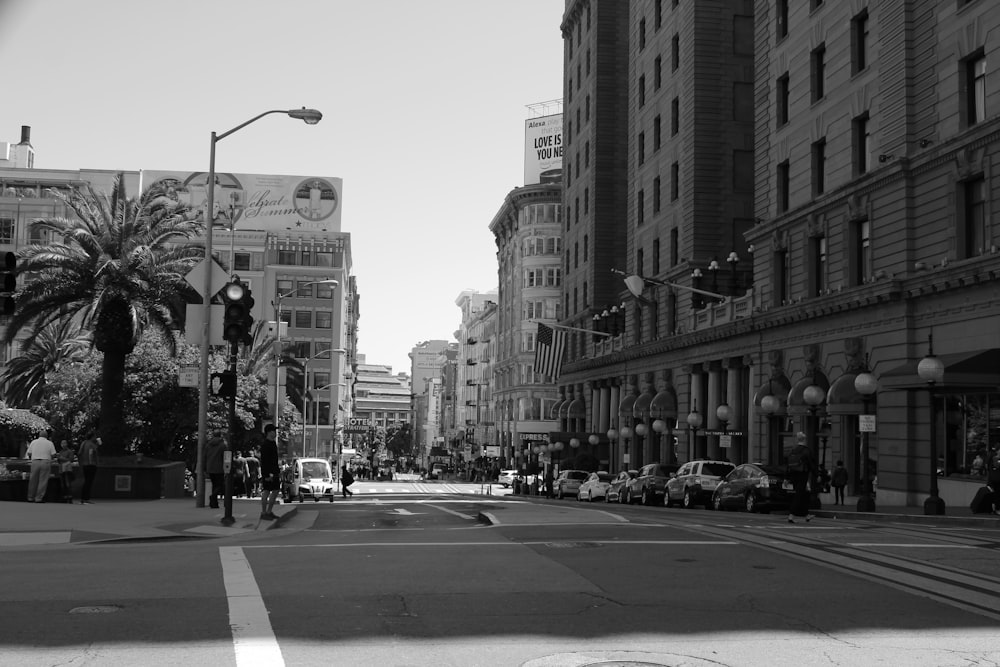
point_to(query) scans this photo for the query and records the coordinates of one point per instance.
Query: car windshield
(603, 476)
(772, 470)
(578, 475)
(315, 470)
(663, 471)
(718, 469)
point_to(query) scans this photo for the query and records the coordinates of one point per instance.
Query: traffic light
(9, 282)
(238, 322)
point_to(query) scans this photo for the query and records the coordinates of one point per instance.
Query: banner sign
(358, 425)
(543, 149)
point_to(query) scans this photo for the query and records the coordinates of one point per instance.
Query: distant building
(474, 428)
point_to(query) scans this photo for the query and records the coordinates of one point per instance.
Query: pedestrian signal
(224, 384)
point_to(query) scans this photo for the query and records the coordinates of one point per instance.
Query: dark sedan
(616, 491)
(754, 487)
(649, 486)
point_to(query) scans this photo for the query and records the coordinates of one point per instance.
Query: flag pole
(559, 326)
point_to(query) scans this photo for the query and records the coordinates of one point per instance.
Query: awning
(577, 409)
(626, 404)
(778, 387)
(554, 413)
(664, 405)
(640, 409)
(796, 403)
(974, 370)
(843, 398)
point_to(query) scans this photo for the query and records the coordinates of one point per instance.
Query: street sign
(187, 376)
(866, 423)
(196, 277)
(725, 441)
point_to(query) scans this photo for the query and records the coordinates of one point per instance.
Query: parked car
(311, 478)
(648, 485)
(506, 478)
(595, 486)
(695, 483)
(754, 487)
(616, 489)
(568, 483)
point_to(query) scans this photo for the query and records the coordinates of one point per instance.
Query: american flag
(549, 348)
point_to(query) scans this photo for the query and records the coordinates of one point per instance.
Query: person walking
(88, 462)
(270, 473)
(41, 451)
(215, 450)
(801, 466)
(838, 480)
(66, 457)
(993, 479)
(346, 479)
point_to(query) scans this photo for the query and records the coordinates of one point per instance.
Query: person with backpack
(838, 480)
(800, 466)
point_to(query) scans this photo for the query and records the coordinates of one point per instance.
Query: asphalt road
(452, 580)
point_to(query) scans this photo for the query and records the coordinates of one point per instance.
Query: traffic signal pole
(227, 519)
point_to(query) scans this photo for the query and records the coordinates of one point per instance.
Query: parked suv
(695, 483)
(647, 487)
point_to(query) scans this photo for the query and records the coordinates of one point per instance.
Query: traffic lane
(103, 601)
(656, 581)
(393, 512)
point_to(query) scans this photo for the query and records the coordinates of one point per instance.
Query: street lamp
(277, 336)
(612, 438)
(311, 117)
(694, 420)
(814, 396)
(305, 391)
(733, 259)
(866, 385)
(931, 370)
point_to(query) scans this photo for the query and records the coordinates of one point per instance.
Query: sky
(423, 102)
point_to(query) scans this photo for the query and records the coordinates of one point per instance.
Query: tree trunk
(112, 426)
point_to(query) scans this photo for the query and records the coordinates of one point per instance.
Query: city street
(448, 579)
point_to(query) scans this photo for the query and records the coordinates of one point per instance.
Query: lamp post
(277, 336)
(310, 117)
(814, 396)
(713, 266)
(866, 385)
(625, 433)
(697, 301)
(931, 370)
(660, 427)
(694, 420)
(612, 437)
(305, 390)
(723, 413)
(733, 259)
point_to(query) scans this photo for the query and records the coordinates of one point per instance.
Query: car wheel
(717, 503)
(688, 500)
(647, 497)
(667, 502)
(751, 503)
(559, 494)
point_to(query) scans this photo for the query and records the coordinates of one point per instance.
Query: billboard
(543, 149)
(262, 202)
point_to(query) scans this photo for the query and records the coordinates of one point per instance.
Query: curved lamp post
(694, 421)
(931, 370)
(311, 117)
(866, 385)
(625, 434)
(814, 396)
(612, 438)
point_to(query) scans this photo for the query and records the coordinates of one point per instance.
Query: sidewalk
(24, 523)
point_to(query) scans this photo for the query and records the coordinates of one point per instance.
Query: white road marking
(392, 545)
(912, 546)
(253, 638)
(458, 514)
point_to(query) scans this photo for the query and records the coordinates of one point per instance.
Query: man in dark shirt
(270, 474)
(214, 465)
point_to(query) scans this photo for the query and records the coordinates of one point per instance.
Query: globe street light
(311, 117)
(866, 385)
(694, 420)
(931, 370)
(814, 396)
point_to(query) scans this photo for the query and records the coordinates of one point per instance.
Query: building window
(656, 256)
(324, 319)
(658, 72)
(324, 291)
(576, 213)
(586, 245)
(675, 181)
(819, 167)
(782, 187)
(656, 195)
(300, 349)
(640, 207)
(586, 201)
(642, 90)
(675, 251)
(675, 116)
(576, 255)
(975, 89)
(675, 52)
(241, 260)
(586, 107)
(657, 137)
(782, 283)
(586, 155)
(859, 42)
(303, 319)
(304, 289)
(640, 262)
(284, 287)
(287, 258)
(7, 230)
(586, 298)
(285, 316)
(657, 14)
(861, 255)
(587, 61)
(973, 233)
(818, 71)
(782, 101)
(641, 147)
(321, 380)
(781, 18)
(861, 140)
(642, 34)
(817, 265)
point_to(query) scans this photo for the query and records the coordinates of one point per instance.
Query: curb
(926, 519)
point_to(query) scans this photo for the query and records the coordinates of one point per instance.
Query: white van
(312, 478)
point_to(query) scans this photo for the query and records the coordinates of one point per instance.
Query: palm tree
(120, 267)
(259, 357)
(23, 378)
